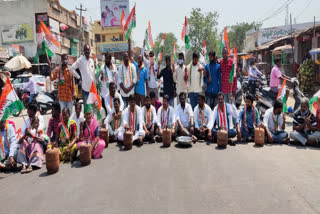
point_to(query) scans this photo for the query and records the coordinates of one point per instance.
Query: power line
(277, 11)
(308, 4)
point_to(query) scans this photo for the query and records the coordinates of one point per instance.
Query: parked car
(21, 81)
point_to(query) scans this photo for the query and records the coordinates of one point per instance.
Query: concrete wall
(22, 12)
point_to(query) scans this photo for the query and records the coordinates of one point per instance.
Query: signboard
(16, 34)
(113, 47)
(4, 53)
(111, 11)
(54, 26)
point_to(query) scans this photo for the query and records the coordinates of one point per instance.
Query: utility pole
(81, 27)
(287, 15)
(292, 43)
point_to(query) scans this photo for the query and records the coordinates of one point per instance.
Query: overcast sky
(168, 15)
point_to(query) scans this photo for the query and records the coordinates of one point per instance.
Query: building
(109, 39)
(19, 26)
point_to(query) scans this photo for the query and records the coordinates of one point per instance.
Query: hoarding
(20, 33)
(113, 47)
(111, 11)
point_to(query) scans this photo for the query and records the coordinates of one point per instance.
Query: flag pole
(15, 94)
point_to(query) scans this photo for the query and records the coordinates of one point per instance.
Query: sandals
(26, 170)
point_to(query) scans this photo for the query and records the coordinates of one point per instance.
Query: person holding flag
(66, 85)
(221, 117)
(127, 79)
(212, 77)
(132, 120)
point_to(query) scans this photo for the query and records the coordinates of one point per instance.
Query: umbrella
(314, 51)
(17, 63)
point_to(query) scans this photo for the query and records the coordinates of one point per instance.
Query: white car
(22, 80)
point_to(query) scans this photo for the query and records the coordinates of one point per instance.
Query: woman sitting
(67, 137)
(31, 147)
(89, 133)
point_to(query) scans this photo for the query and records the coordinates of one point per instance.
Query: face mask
(254, 66)
(148, 106)
(152, 60)
(180, 61)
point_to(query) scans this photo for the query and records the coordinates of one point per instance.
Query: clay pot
(222, 138)
(166, 137)
(104, 135)
(52, 160)
(85, 154)
(259, 136)
(128, 140)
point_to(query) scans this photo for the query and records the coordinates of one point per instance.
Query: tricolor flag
(315, 100)
(282, 95)
(174, 55)
(185, 33)
(130, 23)
(148, 38)
(123, 22)
(161, 47)
(9, 101)
(47, 44)
(233, 72)
(204, 52)
(225, 42)
(93, 101)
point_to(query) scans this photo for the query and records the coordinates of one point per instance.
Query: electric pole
(81, 27)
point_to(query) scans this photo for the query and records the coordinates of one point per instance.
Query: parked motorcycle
(45, 100)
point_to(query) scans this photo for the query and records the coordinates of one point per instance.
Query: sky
(168, 15)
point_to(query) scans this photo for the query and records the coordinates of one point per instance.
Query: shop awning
(314, 51)
(74, 40)
(279, 50)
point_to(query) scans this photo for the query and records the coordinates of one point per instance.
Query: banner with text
(111, 11)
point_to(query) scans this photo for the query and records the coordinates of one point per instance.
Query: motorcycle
(45, 100)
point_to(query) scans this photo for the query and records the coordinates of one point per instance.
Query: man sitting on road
(109, 99)
(249, 119)
(166, 118)
(184, 117)
(221, 117)
(78, 116)
(274, 122)
(32, 113)
(202, 119)
(114, 122)
(54, 121)
(305, 129)
(149, 121)
(133, 120)
(8, 145)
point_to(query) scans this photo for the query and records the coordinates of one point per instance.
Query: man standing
(149, 121)
(168, 83)
(228, 89)
(110, 97)
(254, 74)
(180, 76)
(203, 119)
(166, 117)
(274, 122)
(212, 77)
(142, 82)
(86, 66)
(133, 120)
(108, 75)
(275, 77)
(152, 71)
(65, 83)
(249, 119)
(127, 79)
(221, 117)
(31, 87)
(195, 79)
(305, 130)
(8, 145)
(184, 117)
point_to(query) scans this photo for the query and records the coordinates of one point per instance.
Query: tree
(237, 34)
(168, 44)
(202, 26)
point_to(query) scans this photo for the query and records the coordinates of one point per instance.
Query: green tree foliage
(202, 26)
(237, 34)
(168, 44)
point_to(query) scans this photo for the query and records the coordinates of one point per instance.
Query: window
(103, 38)
(121, 37)
(97, 37)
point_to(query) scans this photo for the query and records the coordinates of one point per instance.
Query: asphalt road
(151, 179)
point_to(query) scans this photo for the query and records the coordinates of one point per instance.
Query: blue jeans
(125, 102)
(245, 133)
(31, 97)
(171, 102)
(85, 96)
(231, 133)
(193, 99)
(252, 87)
(279, 137)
